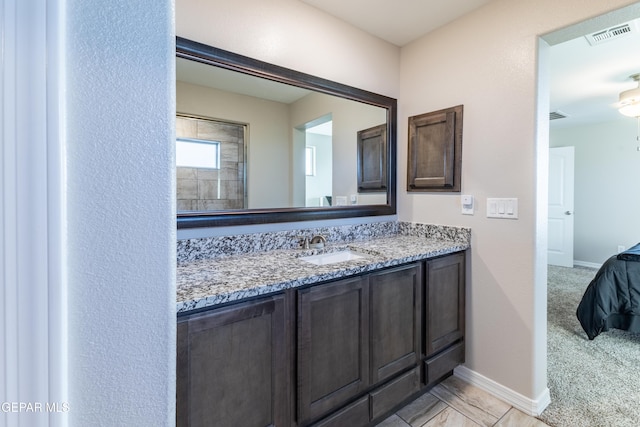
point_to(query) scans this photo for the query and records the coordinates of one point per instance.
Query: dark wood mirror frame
(205, 54)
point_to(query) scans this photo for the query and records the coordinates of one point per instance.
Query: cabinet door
(333, 344)
(372, 159)
(444, 296)
(395, 297)
(435, 151)
(231, 366)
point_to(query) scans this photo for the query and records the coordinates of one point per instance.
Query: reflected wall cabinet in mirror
(259, 143)
(372, 159)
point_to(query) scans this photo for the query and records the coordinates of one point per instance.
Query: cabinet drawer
(395, 392)
(444, 362)
(356, 414)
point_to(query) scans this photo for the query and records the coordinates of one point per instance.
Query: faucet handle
(304, 244)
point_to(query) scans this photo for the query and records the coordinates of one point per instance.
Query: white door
(560, 241)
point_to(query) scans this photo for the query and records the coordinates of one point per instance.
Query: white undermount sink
(332, 257)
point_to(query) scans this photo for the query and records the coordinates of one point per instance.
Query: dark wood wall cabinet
(435, 151)
(372, 159)
(347, 352)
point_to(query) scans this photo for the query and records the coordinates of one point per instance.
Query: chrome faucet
(318, 241)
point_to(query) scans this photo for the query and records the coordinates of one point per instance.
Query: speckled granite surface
(219, 271)
(212, 247)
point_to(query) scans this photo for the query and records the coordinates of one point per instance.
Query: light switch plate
(467, 204)
(506, 208)
(340, 200)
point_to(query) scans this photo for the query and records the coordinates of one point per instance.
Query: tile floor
(455, 403)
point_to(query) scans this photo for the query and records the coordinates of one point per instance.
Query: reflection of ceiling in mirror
(325, 128)
(232, 81)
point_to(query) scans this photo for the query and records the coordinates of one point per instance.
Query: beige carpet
(592, 383)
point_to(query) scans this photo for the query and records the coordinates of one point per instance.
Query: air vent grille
(554, 115)
(609, 34)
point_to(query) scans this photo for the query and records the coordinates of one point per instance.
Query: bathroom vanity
(284, 342)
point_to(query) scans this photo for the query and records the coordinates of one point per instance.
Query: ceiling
(586, 80)
(231, 81)
(399, 21)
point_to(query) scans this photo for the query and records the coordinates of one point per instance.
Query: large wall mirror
(258, 143)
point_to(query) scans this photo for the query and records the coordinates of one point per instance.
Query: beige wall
(488, 62)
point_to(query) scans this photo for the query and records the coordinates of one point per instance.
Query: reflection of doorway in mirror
(215, 185)
(319, 169)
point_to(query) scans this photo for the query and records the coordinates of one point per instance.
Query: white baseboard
(587, 264)
(533, 407)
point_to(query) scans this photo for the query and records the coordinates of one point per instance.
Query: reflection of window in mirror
(310, 161)
(210, 164)
(197, 153)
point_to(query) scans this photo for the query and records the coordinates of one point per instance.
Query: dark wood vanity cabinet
(444, 298)
(232, 366)
(354, 335)
(342, 353)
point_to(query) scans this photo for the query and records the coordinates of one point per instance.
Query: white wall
(488, 61)
(33, 286)
(120, 189)
(607, 175)
(88, 213)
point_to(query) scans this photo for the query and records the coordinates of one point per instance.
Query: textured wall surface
(121, 202)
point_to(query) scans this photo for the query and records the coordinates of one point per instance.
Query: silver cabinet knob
(568, 213)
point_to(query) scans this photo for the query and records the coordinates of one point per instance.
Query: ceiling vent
(610, 34)
(555, 115)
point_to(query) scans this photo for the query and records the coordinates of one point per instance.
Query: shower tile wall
(212, 189)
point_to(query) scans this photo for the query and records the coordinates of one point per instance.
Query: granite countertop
(209, 282)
